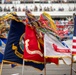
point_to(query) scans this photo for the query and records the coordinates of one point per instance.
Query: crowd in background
(42, 1)
(40, 8)
(64, 22)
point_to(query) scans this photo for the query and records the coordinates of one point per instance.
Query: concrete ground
(51, 69)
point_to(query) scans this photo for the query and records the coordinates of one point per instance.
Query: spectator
(70, 9)
(74, 9)
(15, 9)
(5, 9)
(66, 22)
(70, 22)
(26, 8)
(35, 8)
(23, 9)
(0, 8)
(19, 9)
(8, 9)
(57, 22)
(61, 9)
(62, 22)
(40, 8)
(65, 1)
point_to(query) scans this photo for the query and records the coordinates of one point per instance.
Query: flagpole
(23, 67)
(1, 68)
(44, 66)
(72, 69)
(71, 64)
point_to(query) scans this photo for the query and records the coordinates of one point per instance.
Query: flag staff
(23, 67)
(1, 68)
(44, 66)
(71, 64)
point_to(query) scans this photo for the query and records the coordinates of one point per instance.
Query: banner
(32, 50)
(47, 22)
(54, 48)
(13, 50)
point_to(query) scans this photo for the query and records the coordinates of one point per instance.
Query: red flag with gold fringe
(32, 51)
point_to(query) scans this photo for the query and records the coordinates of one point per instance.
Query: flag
(54, 48)
(47, 21)
(4, 40)
(74, 38)
(32, 50)
(13, 50)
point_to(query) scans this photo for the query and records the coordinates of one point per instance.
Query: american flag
(74, 38)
